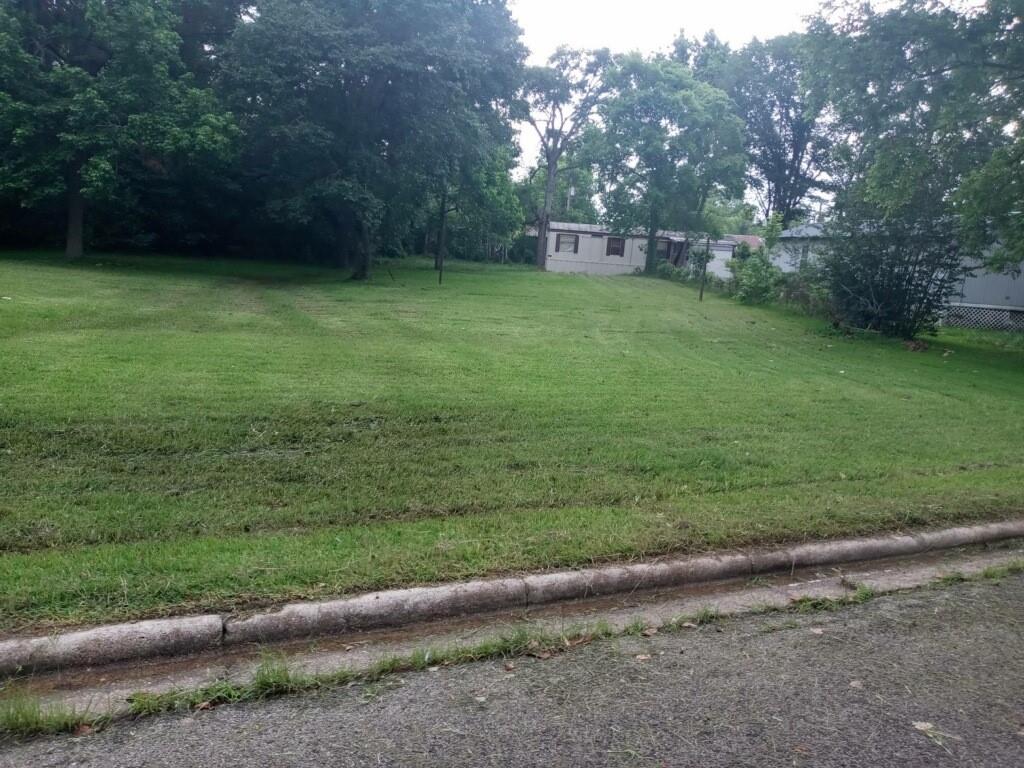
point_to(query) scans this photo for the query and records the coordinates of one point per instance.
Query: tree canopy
(668, 143)
(340, 130)
(558, 101)
(929, 99)
(94, 94)
(922, 119)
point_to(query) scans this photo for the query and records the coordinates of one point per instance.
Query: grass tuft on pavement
(274, 678)
(22, 716)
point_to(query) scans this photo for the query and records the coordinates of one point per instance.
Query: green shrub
(667, 271)
(807, 289)
(755, 279)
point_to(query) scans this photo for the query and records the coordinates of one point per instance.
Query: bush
(755, 279)
(691, 273)
(893, 269)
(807, 290)
(668, 271)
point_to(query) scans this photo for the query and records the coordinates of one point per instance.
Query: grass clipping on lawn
(208, 435)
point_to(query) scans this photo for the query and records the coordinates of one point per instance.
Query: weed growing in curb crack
(992, 573)
(861, 594)
(22, 715)
(635, 628)
(273, 678)
(997, 572)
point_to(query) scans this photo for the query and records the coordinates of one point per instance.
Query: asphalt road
(930, 678)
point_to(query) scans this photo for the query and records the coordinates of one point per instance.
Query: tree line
(338, 131)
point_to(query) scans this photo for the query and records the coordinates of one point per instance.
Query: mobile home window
(662, 249)
(616, 247)
(567, 244)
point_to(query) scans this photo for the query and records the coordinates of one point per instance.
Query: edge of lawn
(60, 588)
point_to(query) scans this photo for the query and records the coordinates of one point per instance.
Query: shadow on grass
(261, 271)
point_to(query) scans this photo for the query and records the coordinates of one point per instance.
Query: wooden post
(704, 269)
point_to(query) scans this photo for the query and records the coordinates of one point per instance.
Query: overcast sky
(651, 25)
(647, 26)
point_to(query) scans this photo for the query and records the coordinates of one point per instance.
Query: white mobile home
(983, 300)
(594, 250)
(799, 246)
(988, 300)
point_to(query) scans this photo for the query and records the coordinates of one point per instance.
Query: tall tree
(670, 143)
(558, 101)
(788, 138)
(204, 27)
(574, 195)
(90, 89)
(356, 114)
(990, 61)
(921, 69)
(486, 212)
(911, 138)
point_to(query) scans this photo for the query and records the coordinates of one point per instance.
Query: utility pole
(704, 269)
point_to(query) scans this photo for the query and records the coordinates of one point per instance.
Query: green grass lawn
(180, 435)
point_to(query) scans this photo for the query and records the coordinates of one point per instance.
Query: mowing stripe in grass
(183, 435)
(115, 582)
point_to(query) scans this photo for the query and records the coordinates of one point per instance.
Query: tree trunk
(362, 270)
(442, 219)
(442, 238)
(651, 263)
(704, 269)
(550, 187)
(75, 246)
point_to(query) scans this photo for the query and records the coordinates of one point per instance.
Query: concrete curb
(115, 642)
(193, 634)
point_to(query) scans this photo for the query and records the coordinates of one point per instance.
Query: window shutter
(576, 245)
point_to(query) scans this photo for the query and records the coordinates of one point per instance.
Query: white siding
(721, 255)
(591, 258)
(991, 290)
(790, 252)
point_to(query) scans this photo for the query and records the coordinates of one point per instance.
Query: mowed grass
(182, 435)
